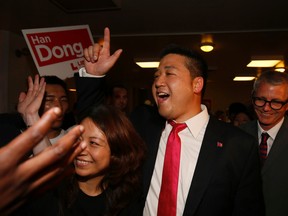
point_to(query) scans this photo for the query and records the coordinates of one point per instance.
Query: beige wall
(225, 93)
(14, 70)
(4, 57)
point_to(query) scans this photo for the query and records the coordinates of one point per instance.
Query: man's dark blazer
(90, 92)
(274, 171)
(11, 125)
(227, 178)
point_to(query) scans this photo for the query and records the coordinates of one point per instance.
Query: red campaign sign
(59, 50)
(58, 46)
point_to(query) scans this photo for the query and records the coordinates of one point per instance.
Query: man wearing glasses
(270, 98)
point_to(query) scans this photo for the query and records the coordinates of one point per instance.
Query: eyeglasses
(275, 105)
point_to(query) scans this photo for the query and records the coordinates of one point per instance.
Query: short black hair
(195, 62)
(54, 80)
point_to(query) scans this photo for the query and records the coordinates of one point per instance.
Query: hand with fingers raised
(22, 178)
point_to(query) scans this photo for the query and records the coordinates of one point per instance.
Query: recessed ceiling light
(282, 70)
(280, 67)
(243, 78)
(263, 63)
(152, 64)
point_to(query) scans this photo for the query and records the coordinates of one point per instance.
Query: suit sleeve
(90, 92)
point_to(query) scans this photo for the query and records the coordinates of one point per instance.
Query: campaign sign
(58, 51)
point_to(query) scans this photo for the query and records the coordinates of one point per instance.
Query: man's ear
(198, 83)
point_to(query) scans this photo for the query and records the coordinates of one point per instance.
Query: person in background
(220, 115)
(241, 118)
(235, 108)
(219, 171)
(107, 173)
(270, 98)
(11, 125)
(32, 105)
(118, 97)
(23, 179)
(42, 94)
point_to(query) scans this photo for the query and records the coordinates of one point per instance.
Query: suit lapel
(211, 149)
(278, 147)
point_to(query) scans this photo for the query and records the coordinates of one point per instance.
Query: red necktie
(263, 146)
(167, 204)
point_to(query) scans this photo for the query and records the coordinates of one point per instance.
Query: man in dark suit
(270, 97)
(219, 171)
(10, 127)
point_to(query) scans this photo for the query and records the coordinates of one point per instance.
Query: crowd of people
(170, 159)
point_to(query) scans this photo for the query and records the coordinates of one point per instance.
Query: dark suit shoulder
(233, 138)
(144, 115)
(248, 125)
(11, 118)
(11, 125)
(251, 128)
(227, 128)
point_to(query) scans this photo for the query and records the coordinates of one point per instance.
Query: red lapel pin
(219, 144)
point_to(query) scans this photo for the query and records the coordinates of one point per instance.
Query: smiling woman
(107, 172)
(94, 161)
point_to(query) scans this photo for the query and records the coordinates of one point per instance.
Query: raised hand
(98, 60)
(29, 103)
(22, 178)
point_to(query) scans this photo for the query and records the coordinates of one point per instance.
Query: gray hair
(271, 77)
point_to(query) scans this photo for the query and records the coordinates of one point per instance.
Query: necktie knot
(264, 136)
(177, 127)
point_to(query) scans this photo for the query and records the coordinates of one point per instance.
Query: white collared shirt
(83, 73)
(191, 141)
(272, 134)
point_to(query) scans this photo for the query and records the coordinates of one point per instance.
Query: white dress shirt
(272, 134)
(191, 141)
(83, 73)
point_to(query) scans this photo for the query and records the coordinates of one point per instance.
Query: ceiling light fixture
(280, 67)
(243, 78)
(151, 64)
(207, 44)
(264, 61)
